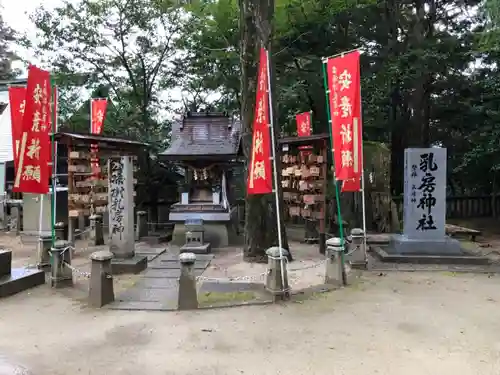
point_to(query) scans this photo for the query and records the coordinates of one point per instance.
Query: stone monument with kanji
(425, 205)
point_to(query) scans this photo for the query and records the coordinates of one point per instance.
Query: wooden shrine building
(208, 146)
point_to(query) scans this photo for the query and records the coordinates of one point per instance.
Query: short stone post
(97, 234)
(357, 249)
(188, 297)
(71, 230)
(16, 215)
(101, 280)
(276, 282)
(335, 267)
(142, 224)
(59, 231)
(44, 245)
(61, 275)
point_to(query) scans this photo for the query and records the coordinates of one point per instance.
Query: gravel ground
(390, 324)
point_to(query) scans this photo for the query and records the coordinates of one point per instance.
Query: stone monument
(121, 217)
(425, 205)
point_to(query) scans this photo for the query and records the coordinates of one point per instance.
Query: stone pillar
(274, 279)
(142, 224)
(44, 245)
(101, 280)
(188, 298)
(121, 207)
(96, 235)
(335, 269)
(81, 226)
(357, 249)
(61, 275)
(59, 231)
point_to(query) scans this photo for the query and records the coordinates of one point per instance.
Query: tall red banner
(303, 124)
(260, 179)
(351, 185)
(97, 115)
(345, 112)
(17, 103)
(32, 173)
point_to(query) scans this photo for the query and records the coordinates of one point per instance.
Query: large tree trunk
(260, 213)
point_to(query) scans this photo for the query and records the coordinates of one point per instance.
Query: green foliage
(7, 37)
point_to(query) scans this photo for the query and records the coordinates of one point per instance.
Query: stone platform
(158, 286)
(218, 234)
(15, 280)
(403, 245)
(136, 264)
(386, 254)
(200, 249)
(19, 280)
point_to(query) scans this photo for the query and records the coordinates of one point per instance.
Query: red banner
(351, 185)
(345, 113)
(303, 124)
(32, 172)
(260, 179)
(17, 103)
(98, 114)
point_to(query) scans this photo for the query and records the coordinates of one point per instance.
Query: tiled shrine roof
(204, 135)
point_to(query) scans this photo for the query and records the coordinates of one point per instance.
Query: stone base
(135, 264)
(5, 262)
(218, 234)
(400, 244)
(202, 249)
(386, 255)
(156, 238)
(19, 280)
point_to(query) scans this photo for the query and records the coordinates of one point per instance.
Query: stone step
(19, 280)
(200, 249)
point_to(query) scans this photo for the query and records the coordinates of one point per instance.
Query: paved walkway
(158, 287)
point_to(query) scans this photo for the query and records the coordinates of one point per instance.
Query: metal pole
(337, 193)
(363, 204)
(340, 54)
(275, 167)
(54, 167)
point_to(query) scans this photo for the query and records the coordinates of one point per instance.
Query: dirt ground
(388, 323)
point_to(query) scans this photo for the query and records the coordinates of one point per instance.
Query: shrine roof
(204, 135)
(305, 140)
(103, 142)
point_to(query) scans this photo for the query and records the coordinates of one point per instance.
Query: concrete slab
(19, 280)
(141, 306)
(386, 256)
(174, 264)
(135, 264)
(168, 257)
(200, 249)
(157, 282)
(168, 273)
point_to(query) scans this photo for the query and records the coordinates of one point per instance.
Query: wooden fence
(457, 207)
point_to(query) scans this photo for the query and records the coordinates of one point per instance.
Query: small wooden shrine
(304, 177)
(208, 146)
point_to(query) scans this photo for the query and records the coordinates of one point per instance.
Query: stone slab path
(158, 286)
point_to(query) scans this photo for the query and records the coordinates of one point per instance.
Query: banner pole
(54, 168)
(275, 167)
(337, 194)
(363, 203)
